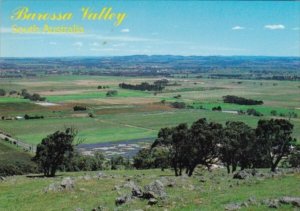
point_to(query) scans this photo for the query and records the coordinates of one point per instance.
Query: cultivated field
(133, 114)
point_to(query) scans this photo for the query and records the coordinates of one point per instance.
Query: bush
(218, 108)
(241, 100)
(179, 105)
(26, 117)
(111, 93)
(2, 92)
(253, 112)
(294, 159)
(79, 108)
(81, 162)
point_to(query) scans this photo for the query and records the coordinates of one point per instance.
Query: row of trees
(143, 86)
(206, 143)
(241, 100)
(32, 97)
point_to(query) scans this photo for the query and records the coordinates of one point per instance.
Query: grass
(118, 118)
(95, 95)
(23, 193)
(14, 161)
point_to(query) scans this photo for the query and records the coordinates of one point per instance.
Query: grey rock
(149, 195)
(67, 184)
(2, 178)
(168, 182)
(157, 188)
(122, 200)
(245, 174)
(152, 201)
(135, 189)
(232, 207)
(252, 201)
(295, 201)
(271, 203)
(100, 175)
(100, 208)
(87, 177)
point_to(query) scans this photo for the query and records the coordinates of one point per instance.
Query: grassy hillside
(204, 191)
(14, 161)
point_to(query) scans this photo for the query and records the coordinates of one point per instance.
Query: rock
(67, 183)
(135, 189)
(232, 207)
(157, 188)
(202, 179)
(271, 203)
(78, 209)
(152, 201)
(87, 177)
(2, 178)
(100, 175)
(295, 201)
(122, 200)
(245, 174)
(100, 208)
(252, 201)
(168, 182)
(149, 195)
(52, 187)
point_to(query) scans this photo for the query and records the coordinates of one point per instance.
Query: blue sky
(269, 28)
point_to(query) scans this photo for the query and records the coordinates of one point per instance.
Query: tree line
(158, 85)
(241, 100)
(206, 143)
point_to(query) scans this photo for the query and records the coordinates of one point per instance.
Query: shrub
(179, 105)
(218, 108)
(241, 100)
(2, 92)
(111, 93)
(79, 108)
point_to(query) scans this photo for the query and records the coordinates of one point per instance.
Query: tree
(54, 150)
(274, 139)
(294, 159)
(203, 144)
(143, 159)
(2, 92)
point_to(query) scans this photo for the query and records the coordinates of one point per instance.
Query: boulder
(122, 200)
(295, 201)
(152, 201)
(149, 195)
(271, 203)
(245, 174)
(157, 188)
(67, 184)
(232, 207)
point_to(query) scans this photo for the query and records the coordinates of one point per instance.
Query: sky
(246, 28)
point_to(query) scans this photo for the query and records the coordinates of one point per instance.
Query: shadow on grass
(42, 176)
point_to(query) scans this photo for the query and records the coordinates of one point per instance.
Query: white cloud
(95, 44)
(5, 30)
(238, 28)
(52, 43)
(274, 26)
(125, 30)
(78, 44)
(296, 28)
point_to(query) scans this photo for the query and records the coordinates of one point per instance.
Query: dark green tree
(53, 150)
(274, 139)
(204, 139)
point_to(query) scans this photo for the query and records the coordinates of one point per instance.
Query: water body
(127, 148)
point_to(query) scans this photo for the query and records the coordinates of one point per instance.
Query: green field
(218, 190)
(136, 114)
